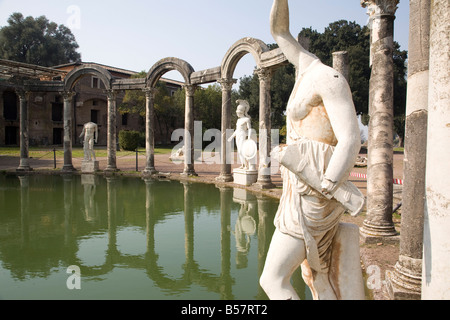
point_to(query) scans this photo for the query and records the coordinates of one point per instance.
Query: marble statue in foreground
(323, 142)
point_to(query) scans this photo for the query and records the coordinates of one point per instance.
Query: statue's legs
(285, 255)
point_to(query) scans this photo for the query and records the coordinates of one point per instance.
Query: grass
(47, 153)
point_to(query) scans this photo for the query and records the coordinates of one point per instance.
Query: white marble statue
(90, 135)
(323, 141)
(243, 135)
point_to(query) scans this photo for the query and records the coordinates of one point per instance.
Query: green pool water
(131, 239)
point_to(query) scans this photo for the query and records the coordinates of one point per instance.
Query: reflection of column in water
(111, 191)
(226, 195)
(24, 207)
(150, 219)
(89, 185)
(68, 203)
(188, 224)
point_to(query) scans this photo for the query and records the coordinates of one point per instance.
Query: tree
(168, 114)
(351, 37)
(37, 41)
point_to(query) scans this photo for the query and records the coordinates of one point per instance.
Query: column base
(189, 173)
(68, 168)
(24, 169)
(403, 283)
(111, 170)
(227, 177)
(264, 183)
(370, 233)
(149, 171)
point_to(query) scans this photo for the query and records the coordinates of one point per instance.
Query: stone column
(24, 137)
(340, 63)
(150, 131)
(68, 131)
(264, 176)
(189, 132)
(436, 257)
(378, 224)
(225, 171)
(112, 131)
(405, 281)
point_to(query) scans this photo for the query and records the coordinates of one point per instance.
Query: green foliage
(208, 106)
(351, 37)
(134, 100)
(37, 41)
(131, 140)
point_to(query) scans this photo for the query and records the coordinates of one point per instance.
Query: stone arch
(77, 73)
(239, 49)
(169, 64)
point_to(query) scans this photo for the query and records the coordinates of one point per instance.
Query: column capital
(111, 94)
(264, 74)
(190, 89)
(226, 84)
(68, 95)
(149, 91)
(22, 94)
(380, 7)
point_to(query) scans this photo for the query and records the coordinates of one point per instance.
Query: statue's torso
(307, 114)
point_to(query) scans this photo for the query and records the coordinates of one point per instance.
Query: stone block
(90, 166)
(245, 177)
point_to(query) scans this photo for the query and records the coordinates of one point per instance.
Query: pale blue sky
(136, 34)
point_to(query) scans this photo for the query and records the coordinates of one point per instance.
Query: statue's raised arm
(279, 27)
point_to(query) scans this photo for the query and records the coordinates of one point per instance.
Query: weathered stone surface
(381, 110)
(90, 166)
(245, 177)
(436, 258)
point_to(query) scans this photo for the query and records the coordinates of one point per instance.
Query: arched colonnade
(266, 61)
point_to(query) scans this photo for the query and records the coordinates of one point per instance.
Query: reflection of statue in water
(323, 142)
(88, 182)
(90, 134)
(245, 145)
(245, 228)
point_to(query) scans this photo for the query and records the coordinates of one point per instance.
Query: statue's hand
(328, 187)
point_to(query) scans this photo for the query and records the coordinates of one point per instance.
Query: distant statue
(90, 134)
(246, 147)
(323, 141)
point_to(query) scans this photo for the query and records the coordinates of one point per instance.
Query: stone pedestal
(89, 166)
(245, 177)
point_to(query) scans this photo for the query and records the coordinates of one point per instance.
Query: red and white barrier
(364, 176)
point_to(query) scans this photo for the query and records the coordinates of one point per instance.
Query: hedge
(131, 140)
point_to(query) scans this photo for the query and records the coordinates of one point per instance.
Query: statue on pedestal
(90, 135)
(246, 147)
(323, 141)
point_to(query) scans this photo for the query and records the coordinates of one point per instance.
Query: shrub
(131, 140)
